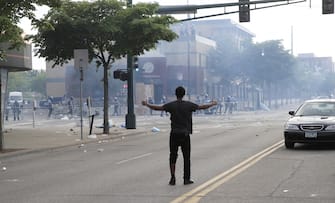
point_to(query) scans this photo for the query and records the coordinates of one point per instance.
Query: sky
(312, 31)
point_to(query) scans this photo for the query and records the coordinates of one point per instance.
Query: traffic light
(244, 11)
(327, 6)
(135, 62)
(120, 74)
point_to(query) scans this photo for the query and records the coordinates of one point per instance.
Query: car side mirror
(291, 113)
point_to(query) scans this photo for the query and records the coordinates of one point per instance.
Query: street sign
(81, 62)
(80, 58)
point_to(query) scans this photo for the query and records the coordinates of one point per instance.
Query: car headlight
(291, 127)
(330, 127)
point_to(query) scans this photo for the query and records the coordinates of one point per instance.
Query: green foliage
(28, 81)
(314, 82)
(105, 27)
(17, 9)
(269, 65)
(38, 82)
(264, 65)
(269, 62)
(223, 60)
(10, 33)
(328, 84)
(11, 12)
(17, 81)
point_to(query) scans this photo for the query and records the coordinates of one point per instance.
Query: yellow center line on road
(201, 191)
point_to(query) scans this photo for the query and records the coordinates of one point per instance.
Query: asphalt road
(232, 161)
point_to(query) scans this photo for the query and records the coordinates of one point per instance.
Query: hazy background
(312, 31)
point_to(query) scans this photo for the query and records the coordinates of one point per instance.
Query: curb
(22, 152)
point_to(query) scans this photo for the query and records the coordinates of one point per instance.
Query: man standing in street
(181, 128)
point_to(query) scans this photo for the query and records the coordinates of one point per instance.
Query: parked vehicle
(15, 96)
(312, 122)
(43, 104)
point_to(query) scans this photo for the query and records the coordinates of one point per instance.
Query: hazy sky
(312, 31)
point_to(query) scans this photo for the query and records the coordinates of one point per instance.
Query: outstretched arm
(153, 107)
(206, 106)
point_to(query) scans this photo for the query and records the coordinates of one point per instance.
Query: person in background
(50, 106)
(8, 108)
(227, 104)
(16, 110)
(70, 105)
(116, 104)
(181, 127)
(163, 101)
(150, 101)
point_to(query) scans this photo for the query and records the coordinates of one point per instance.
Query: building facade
(15, 60)
(316, 64)
(183, 61)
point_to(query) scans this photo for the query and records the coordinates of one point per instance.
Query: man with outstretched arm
(181, 128)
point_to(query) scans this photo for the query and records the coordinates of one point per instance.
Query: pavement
(26, 136)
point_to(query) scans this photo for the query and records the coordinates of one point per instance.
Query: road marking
(201, 191)
(133, 158)
(12, 180)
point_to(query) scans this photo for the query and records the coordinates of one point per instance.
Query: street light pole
(81, 98)
(80, 62)
(189, 35)
(130, 117)
(188, 63)
(1, 119)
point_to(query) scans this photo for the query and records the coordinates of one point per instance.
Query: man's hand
(207, 105)
(144, 103)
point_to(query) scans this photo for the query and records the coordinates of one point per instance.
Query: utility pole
(80, 62)
(1, 119)
(130, 117)
(189, 36)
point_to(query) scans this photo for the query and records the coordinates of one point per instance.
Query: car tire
(289, 145)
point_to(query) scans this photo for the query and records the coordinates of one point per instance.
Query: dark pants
(16, 113)
(183, 141)
(50, 112)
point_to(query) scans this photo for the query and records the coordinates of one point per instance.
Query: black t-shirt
(181, 115)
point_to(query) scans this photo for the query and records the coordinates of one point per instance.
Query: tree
(106, 28)
(269, 64)
(27, 81)
(328, 84)
(11, 12)
(38, 83)
(18, 81)
(224, 61)
(265, 65)
(314, 81)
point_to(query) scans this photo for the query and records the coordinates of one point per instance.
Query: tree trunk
(106, 99)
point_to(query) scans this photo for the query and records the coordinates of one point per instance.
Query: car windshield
(317, 109)
(15, 98)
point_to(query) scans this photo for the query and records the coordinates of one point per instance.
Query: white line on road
(133, 158)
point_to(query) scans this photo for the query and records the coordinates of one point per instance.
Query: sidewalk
(22, 137)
